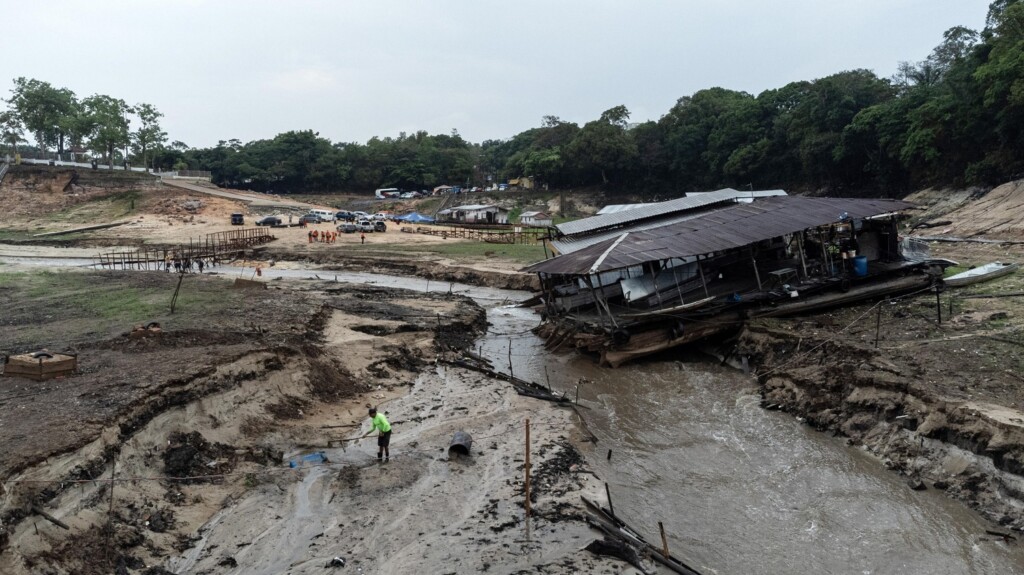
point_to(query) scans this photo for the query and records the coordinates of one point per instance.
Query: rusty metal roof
(646, 211)
(728, 228)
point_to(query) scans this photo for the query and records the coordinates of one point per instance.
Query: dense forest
(953, 119)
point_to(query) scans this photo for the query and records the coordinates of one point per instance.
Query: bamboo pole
(664, 541)
(526, 469)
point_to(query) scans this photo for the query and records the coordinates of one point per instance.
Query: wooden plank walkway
(212, 248)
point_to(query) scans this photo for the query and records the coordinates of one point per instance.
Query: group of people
(186, 265)
(324, 236)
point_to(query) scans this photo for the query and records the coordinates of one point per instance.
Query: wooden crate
(40, 366)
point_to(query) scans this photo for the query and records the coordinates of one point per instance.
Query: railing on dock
(504, 236)
(213, 248)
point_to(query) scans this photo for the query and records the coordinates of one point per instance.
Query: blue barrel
(860, 266)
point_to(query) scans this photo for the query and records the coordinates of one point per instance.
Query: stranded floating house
(634, 282)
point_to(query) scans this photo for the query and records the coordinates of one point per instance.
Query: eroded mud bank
(971, 449)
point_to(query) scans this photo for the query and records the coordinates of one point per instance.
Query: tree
(10, 130)
(149, 133)
(44, 111)
(603, 146)
(109, 118)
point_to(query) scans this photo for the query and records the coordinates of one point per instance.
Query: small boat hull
(980, 274)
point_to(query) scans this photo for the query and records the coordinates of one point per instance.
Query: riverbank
(939, 403)
(197, 425)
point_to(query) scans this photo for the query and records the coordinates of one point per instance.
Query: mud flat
(170, 453)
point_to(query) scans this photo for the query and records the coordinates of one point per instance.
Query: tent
(415, 218)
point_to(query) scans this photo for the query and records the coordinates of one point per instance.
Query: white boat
(981, 274)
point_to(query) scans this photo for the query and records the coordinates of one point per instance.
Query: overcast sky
(351, 70)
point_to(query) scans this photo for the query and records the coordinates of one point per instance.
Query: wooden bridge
(220, 246)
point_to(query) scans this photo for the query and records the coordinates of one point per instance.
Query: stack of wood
(40, 365)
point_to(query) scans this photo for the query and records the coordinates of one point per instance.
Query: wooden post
(526, 469)
(511, 374)
(174, 298)
(664, 540)
(608, 494)
(938, 304)
(800, 246)
(757, 274)
(703, 281)
(110, 508)
(878, 324)
(547, 378)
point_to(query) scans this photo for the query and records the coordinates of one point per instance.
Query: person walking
(380, 423)
(362, 237)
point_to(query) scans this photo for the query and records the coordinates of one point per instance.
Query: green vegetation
(464, 250)
(59, 308)
(56, 118)
(955, 118)
(522, 253)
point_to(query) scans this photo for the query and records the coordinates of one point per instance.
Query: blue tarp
(416, 218)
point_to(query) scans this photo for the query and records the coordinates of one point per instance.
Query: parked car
(237, 219)
(269, 221)
(408, 195)
(348, 228)
(380, 227)
(365, 226)
(380, 216)
(502, 187)
(344, 216)
(310, 219)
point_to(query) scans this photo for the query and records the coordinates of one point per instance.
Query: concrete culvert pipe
(460, 445)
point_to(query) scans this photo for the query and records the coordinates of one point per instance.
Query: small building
(475, 214)
(538, 219)
(442, 190)
(524, 182)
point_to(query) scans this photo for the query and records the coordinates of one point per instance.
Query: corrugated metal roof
(532, 214)
(615, 208)
(569, 244)
(474, 207)
(645, 211)
(732, 227)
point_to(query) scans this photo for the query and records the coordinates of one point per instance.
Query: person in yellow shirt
(380, 423)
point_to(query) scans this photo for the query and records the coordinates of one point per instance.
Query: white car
(380, 216)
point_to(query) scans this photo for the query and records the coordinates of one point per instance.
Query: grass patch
(46, 308)
(14, 235)
(521, 253)
(102, 210)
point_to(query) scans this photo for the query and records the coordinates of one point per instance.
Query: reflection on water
(741, 489)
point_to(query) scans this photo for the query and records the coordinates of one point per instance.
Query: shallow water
(738, 488)
(745, 490)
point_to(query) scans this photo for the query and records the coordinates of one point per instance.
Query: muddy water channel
(745, 490)
(738, 488)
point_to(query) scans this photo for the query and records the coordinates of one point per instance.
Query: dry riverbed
(197, 426)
